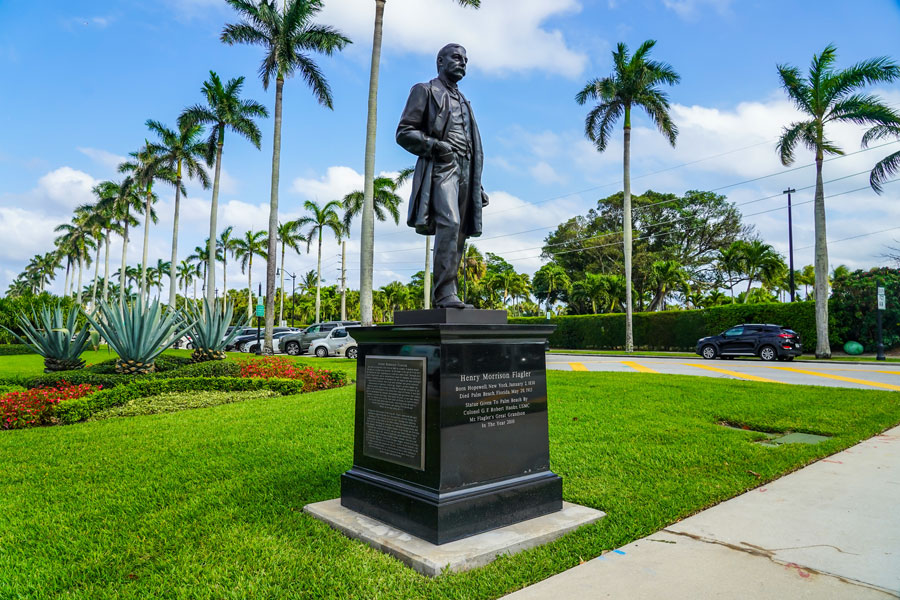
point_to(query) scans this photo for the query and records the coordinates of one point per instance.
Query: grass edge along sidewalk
(208, 502)
(836, 359)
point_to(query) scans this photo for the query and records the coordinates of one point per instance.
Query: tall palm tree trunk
(106, 269)
(144, 287)
(626, 213)
(427, 294)
(272, 255)
(319, 278)
(367, 231)
(281, 287)
(343, 281)
(224, 275)
(124, 258)
(80, 270)
(66, 284)
(250, 287)
(823, 348)
(173, 286)
(96, 275)
(210, 275)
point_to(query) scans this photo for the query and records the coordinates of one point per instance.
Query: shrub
(14, 349)
(176, 401)
(284, 368)
(854, 303)
(32, 407)
(81, 376)
(213, 368)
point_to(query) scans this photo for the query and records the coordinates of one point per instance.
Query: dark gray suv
(767, 341)
(298, 343)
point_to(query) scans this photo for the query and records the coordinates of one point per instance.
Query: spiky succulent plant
(209, 331)
(138, 333)
(54, 336)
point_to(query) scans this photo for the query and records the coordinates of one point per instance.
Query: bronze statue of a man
(439, 127)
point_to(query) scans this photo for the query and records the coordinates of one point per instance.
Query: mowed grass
(208, 503)
(32, 364)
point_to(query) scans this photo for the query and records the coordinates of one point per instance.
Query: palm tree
(224, 247)
(594, 288)
(252, 244)
(179, 152)
(108, 193)
(186, 272)
(666, 275)
(888, 166)
(127, 198)
(634, 83)
(290, 237)
(224, 110)
(94, 223)
(322, 217)
(367, 233)
(550, 284)
(146, 168)
(289, 37)
(386, 202)
(826, 96)
(77, 237)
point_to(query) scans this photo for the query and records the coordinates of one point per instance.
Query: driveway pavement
(863, 376)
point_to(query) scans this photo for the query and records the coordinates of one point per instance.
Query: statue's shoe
(452, 302)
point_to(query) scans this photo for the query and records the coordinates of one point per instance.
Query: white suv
(331, 344)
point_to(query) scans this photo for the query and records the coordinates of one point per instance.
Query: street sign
(260, 310)
(882, 301)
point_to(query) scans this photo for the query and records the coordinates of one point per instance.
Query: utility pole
(790, 191)
(343, 281)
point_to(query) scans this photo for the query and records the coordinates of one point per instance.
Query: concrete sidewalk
(828, 531)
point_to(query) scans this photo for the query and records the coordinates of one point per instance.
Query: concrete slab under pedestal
(461, 555)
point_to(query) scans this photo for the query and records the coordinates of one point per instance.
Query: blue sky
(80, 78)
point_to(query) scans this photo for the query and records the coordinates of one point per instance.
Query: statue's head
(451, 62)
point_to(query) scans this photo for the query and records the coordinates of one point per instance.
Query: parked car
(329, 345)
(247, 339)
(769, 342)
(276, 342)
(299, 342)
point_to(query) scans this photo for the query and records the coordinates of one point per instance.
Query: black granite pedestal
(451, 425)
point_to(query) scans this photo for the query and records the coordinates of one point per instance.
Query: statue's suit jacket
(424, 122)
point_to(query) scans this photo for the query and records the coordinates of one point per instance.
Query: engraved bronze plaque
(394, 410)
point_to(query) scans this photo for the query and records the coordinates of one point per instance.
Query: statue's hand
(442, 150)
(485, 200)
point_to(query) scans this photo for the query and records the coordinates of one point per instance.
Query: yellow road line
(578, 367)
(733, 373)
(638, 367)
(886, 386)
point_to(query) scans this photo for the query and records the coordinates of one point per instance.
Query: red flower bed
(32, 407)
(268, 367)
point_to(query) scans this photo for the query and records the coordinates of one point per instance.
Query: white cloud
(545, 173)
(103, 157)
(24, 233)
(334, 185)
(65, 188)
(501, 36)
(690, 9)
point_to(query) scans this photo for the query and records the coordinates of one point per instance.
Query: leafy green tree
(252, 244)
(224, 110)
(889, 166)
(289, 38)
(634, 83)
(666, 276)
(321, 217)
(367, 233)
(179, 152)
(829, 95)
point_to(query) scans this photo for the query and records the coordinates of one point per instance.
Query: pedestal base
(445, 517)
(462, 555)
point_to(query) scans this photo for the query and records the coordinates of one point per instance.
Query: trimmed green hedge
(676, 329)
(14, 349)
(73, 411)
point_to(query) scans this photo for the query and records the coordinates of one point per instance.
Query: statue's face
(452, 63)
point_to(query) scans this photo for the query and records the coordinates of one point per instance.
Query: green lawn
(207, 503)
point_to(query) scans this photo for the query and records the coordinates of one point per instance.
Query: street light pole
(790, 191)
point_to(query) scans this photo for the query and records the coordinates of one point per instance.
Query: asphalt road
(864, 376)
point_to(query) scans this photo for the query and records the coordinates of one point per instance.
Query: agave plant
(138, 333)
(209, 331)
(54, 337)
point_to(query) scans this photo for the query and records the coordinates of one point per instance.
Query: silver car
(333, 343)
